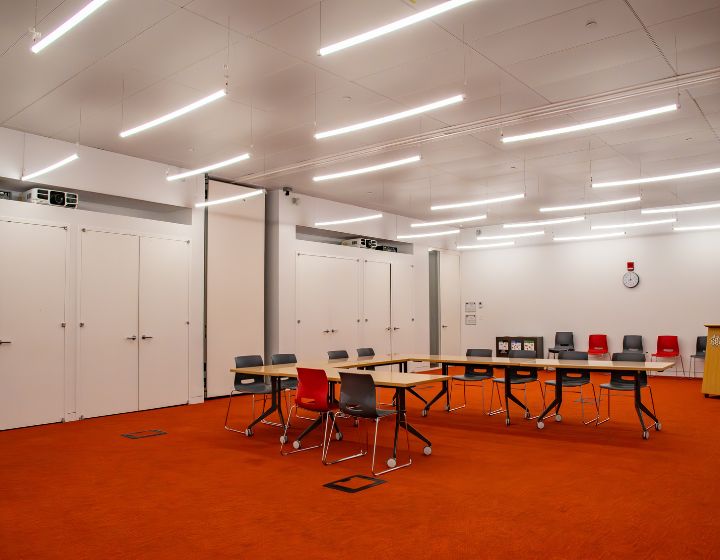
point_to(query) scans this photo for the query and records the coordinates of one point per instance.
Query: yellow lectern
(711, 377)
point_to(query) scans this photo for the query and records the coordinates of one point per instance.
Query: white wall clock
(630, 279)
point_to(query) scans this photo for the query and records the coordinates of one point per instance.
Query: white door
(343, 288)
(375, 322)
(403, 309)
(449, 304)
(163, 330)
(108, 362)
(32, 311)
(312, 308)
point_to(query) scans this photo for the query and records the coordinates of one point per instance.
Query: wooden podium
(711, 377)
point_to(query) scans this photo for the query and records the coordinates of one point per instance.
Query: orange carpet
(81, 491)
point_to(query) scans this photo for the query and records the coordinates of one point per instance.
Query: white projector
(51, 198)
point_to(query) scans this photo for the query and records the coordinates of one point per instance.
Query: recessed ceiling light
(591, 124)
(636, 224)
(68, 25)
(218, 165)
(257, 192)
(349, 220)
(485, 245)
(390, 118)
(452, 221)
(370, 169)
(478, 202)
(49, 168)
(681, 208)
(511, 235)
(697, 228)
(591, 204)
(394, 26)
(175, 114)
(435, 234)
(589, 237)
(659, 178)
(545, 222)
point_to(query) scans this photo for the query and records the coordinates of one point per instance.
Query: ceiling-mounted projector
(51, 197)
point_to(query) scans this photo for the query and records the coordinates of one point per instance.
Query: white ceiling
(136, 59)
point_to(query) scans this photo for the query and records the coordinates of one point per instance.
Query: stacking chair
(700, 348)
(337, 355)
(366, 353)
(475, 374)
(573, 380)
(633, 343)
(598, 345)
(669, 347)
(313, 395)
(247, 384)
(530, 375)
(358, 399)
(621, 381)
(289, 384)
(563, 341)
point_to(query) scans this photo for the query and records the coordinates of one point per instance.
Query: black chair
(337, 355)
(633, 343)
(358, 399)
(700, 349)
(474, 374)
(563, 341)
(624, 382)
(366, 353)
(519, 376)
(248, 384)
(576, 379)
(288, 383)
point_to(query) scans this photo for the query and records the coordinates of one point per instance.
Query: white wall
(541, 289)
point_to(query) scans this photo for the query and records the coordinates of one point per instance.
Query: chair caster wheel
(249, 432)
(507, 421)
(283, 439)
(540, 425)
(558, 418)
(297, 444)
(646, 434)
(658, 426)
(424, 413)
(447, 408)
(392, 463)
(427, 450)
(527, 415)
(338, 436)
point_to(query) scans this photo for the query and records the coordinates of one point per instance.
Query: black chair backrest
(522, 354)
(628, 357)
(279, 359)
(478, 353)
(365, 352)
(572, 355)
(514, 372)
(701, 344)
(583, 374)
(248, 361)
(357, 394)
(624, 378)
(633, 343)
(337, 354)
(564, 339)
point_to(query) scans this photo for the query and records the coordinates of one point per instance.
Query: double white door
(133, 323)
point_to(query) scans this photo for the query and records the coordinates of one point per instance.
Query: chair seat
(662, 354)
(253, 388)
(290, 383)
(621, 386)
(570, 382)
(517, 381)
(379, 413)
(558, 349)
(597, 351)
(700, 355)
(466, 377)
(317, 407)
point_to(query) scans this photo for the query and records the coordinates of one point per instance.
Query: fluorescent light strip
(591, 124)
(49, 168)
(68, 25)
(591, 204)
(390, 118)
(659, 178)
(370, 169)
(175, 114)
(436, 234)
(478, 202)
(229, 199)
(511, 235)
(208, 168)
(349, 220)
(448, 222)
(486, 246)
(394, 26)
(682, 208)
(696, 228)
(636, 224)
(545, 222)
(589, 237)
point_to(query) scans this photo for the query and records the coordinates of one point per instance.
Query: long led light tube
(175, 114)
(436, 234)
(68, 25)
(487, 245)
(478, 202)
(349, 220)
(229, 199)
(545, 222)
(49, 168)
(207, 168)
(636, 224)
(591, 204)
(681, 208)
(589, 237)
(448, 222)
(591, 124)
(394, 26)
(696, 228)
(370, 169)
(390, 118)
(659, 178)
(511, 235)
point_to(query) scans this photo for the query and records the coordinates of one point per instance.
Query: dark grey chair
(365, 353)
(700, 349)
(474, 374)
(247, 384)
(288, 383)
(623, 382)
(563, 341)
(519, 376)
(358, 399)
(576, 380)
(633, 343)
(337, 355)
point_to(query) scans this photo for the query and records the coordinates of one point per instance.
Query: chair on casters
(598, 345)
(475, 374)
(669, 347)
(313, 395)
(633, 343)
(287, 383)
(366, 353)
(517, 378)
(358, 400)
(337, 355)
(576, 379)
(700, 348)
(563, 341)
(248, 384)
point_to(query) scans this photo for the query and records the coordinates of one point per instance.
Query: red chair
(598, 345)
(669, 347)
(313, 394)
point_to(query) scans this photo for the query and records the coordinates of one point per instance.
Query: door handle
(326, 331)
(387, 328)
(333, 330)
(444, 326)
(5, 341)
(133, 337)
(145, 337)
(396, 328)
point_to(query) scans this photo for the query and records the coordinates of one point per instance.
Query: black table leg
(557, 401)
(443, 391)
(401, 416)
(640, 408)
(510, 397)
(275, 405)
